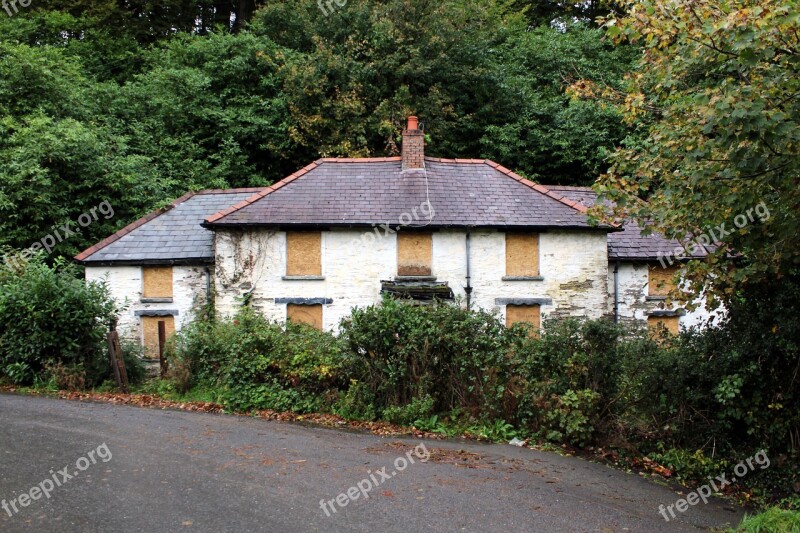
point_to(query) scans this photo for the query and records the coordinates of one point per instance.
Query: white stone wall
(125, 284)
(633, 302)
(573, 266)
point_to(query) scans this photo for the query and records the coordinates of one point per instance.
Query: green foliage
(691, 467)
(50, 318)
(417, 409)
(714, 98)
(457, 357)
(132, 355)
(773, 520)
(257, 364)
(357, 403)
(569, 379)
(496, 431)
(92, 109)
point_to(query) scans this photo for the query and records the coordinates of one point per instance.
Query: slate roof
(628, 244)
(171, 235)
(363, 192)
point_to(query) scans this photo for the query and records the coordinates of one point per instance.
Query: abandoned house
(339, 233)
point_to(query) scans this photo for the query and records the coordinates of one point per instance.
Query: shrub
(71, 378)
(50, 317)
(568, 379)
(258, 364)
(358, 403)
(458, 358)
(418, 409)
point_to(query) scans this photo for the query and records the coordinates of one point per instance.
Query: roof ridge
(264, 192)
(132, 226)
(229, 191)
(456, 160)
(571, 187)
(360, 159)
(537, 187)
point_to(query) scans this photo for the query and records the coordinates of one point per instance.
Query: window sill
(415, 278)
(655, 298)
(522, 278)
(303, 278)
(156, 300)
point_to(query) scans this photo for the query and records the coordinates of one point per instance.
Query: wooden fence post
(116, 361)
(162, 339)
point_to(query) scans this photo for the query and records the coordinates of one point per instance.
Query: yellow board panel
(305, 314)
(671, 323)
(660, 281)
(303, 253)
(522, 254)
(150, 332)
(157, 282)
(414, 254)
(523, 313)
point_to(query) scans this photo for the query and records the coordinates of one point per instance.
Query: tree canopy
(136, 104)
(715, 100)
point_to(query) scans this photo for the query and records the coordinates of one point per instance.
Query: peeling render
(634, 307)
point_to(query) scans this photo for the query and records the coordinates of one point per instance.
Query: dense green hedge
(53, 326)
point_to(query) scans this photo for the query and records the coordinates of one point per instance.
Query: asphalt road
(192, 472)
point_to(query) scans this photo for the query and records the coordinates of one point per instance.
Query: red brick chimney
(413, 145)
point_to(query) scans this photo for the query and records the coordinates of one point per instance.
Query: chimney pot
(413, 123)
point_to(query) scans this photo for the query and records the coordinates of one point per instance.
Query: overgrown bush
(258, 364)
(50, 318)
(569, 379)
(460, 359)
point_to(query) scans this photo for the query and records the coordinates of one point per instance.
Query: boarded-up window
(303, 253)
(414, 254)
(523, 313)
(671, 323)
(157, 282)
(660, 281)
(522, 254)
(150, 332)
(305, 314)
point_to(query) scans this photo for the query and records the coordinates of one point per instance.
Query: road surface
(88, 467)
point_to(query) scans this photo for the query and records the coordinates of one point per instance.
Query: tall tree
(716, 99)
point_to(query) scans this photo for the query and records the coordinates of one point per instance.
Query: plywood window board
(660, 280)
(414, 254)
(304, 253)
(523, 313)
(157, 282)
(671, 323)
(150, 332)
(522, 254)
(305, 314)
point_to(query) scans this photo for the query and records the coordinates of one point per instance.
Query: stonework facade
(251, 265)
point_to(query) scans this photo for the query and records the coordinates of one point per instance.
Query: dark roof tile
(359, 192)
(169, 234)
